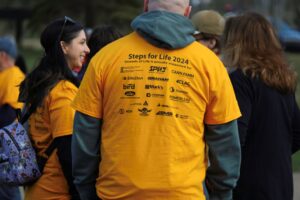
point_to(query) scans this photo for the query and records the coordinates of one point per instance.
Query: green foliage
(296, 162)
(294, 59)
(295, 62)
(90, 12)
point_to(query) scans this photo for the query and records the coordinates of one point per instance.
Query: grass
(32, 56)
(296, 162)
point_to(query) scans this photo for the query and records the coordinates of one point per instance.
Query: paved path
(297, 186)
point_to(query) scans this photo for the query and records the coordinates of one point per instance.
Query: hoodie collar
(164, 29)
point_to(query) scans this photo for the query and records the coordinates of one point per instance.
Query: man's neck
(6, 65)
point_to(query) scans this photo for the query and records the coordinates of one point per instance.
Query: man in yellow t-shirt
(10, 78)
(141, 112)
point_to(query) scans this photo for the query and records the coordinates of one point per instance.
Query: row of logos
(131, 86)
(158, 105)
(131, 95)
(150, 78)
(145, 112)
(154, 69)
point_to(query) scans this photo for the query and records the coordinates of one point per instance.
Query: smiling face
(76, 51)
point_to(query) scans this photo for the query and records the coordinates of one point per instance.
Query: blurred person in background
(209, 26)
(269, 128)
(10, 79)
(47, 93)
(99, 37)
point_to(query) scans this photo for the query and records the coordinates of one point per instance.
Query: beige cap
(208, 21)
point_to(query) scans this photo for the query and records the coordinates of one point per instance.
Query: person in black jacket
(269, 128)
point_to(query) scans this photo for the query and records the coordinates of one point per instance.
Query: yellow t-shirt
(154, 103)
(10, 80)
(53, 119)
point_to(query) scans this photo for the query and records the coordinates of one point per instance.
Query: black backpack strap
(42, 160)
(51, 148)
(24, 116)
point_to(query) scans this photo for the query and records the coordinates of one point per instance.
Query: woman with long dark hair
(269, 128)
(47, 93)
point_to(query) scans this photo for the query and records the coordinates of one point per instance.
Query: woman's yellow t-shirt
(53, 119)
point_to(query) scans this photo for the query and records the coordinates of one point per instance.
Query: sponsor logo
(184, 83)
(172, 89)
(130, 69)
(136, 104)
(153, 78)
(181, 116)
(144, 111)
(135, 78)
(189, 75)
(157, 69)
(145, 103)
(128, 86)
(154, 95)
(130, 98)
(164, 113)
(123, 111)
(130, 93)
(180, 99)
(166, 106)
(154, 87)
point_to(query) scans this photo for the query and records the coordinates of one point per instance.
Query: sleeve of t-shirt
(61, 112)
(222, 104)
(89, 97)
(12, 91)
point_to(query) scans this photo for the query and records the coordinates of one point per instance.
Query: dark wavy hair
(251, 44)
(100, 37)
(53, 66)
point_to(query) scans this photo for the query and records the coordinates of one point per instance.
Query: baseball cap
(208, 21)
(8, 45)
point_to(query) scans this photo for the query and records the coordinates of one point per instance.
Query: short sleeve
(89, 97)
(60, 110)
(222, 106)
(12, 89)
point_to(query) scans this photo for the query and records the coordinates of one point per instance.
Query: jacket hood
(164, 29)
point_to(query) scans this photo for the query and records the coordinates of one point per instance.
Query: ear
(212, 43)
(4, 55)
(146, 2)
(64, 47)
(187, 11)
